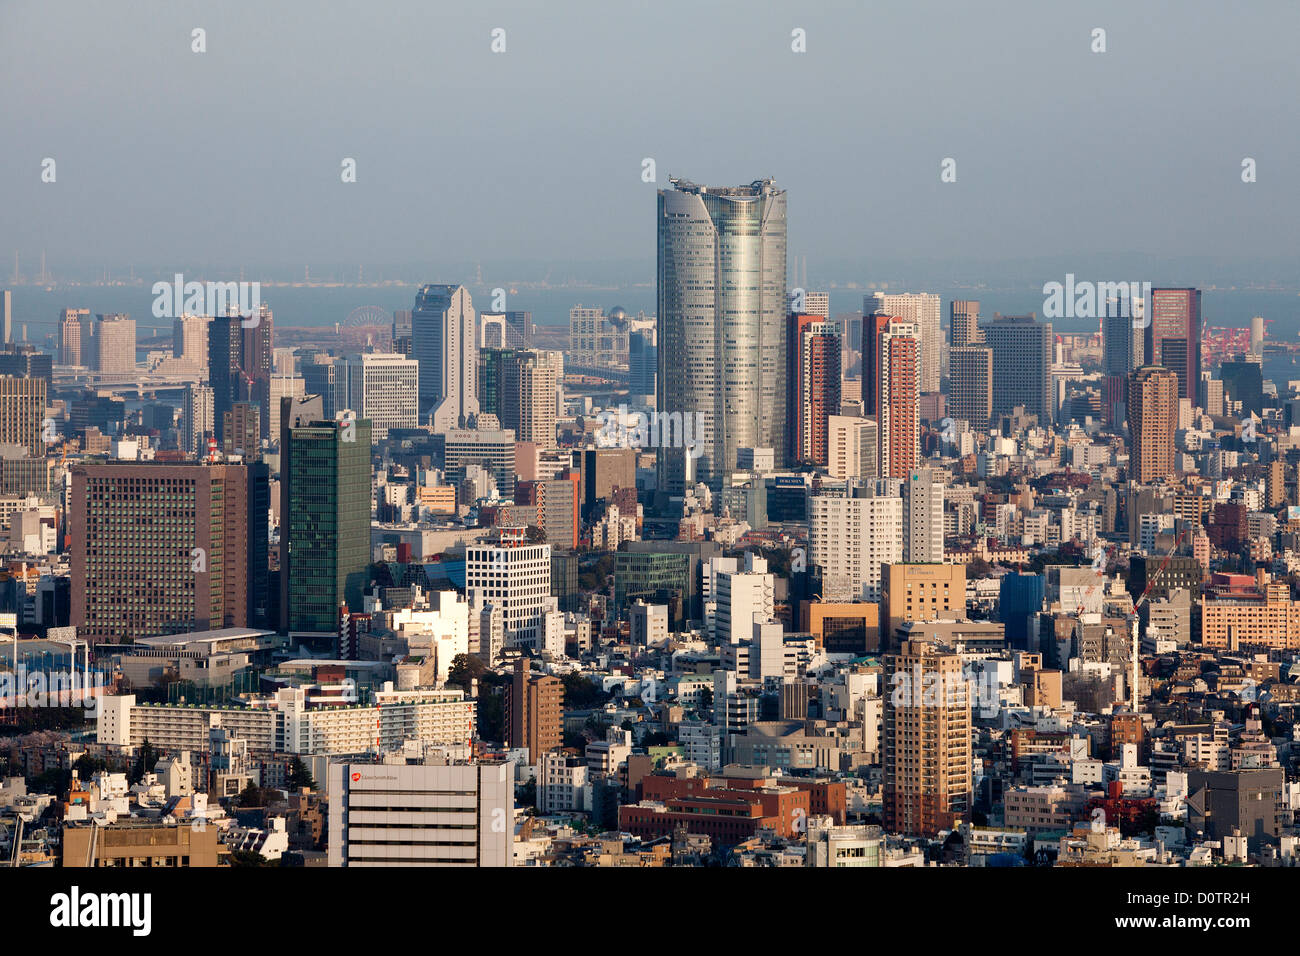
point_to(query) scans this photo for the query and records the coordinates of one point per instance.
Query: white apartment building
(852, 447)
(516, 576)
(416, 815)
(440, 632)
(561, 779)
(649, 624)
(286, 724)
(849, 539)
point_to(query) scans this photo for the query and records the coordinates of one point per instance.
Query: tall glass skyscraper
(721, 326)
(444, 340)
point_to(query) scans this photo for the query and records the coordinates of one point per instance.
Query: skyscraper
(813, 386)
(1122, 350)
(240, 365)
(7, 314)
(970, 374)
(1022, 362)
(643, 362)
(70, 327)
(383, 388)
(22, 413)
(899, 414)
(444, 341)
(923, 518)
(963, 323)
(927, 740)
(721, 325)
(922, 310)
(115, 354)
(1173, 336)
(325, 518)
(1153, 419)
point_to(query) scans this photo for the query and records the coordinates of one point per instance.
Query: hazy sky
(171, 159)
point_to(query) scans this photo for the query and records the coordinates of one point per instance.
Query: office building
(1173, 336)
(598, 341)
(444, 341)
(1122, 351)
(920, 592)
(324, 518)
(163, 548)
(1022, 362)
(963, 323)
(515, 574)
(71, 324)
(196, 419)
(721, 325)
(22, 413)
(643, 363)
(115, 347)
(970, 373)
(852, 447)
(383, 387)
(421, 815)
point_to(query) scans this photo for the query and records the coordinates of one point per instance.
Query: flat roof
(204, 637)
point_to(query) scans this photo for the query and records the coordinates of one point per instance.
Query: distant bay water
(321, 306)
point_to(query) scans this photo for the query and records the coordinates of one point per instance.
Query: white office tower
(922, 518)
(383, 387)
(553, 629)
(415, 815)
(767, 653)
(741, 591)
(444, 342)
(922, 309)
(849, 538)
(515, 574)
(440, 633)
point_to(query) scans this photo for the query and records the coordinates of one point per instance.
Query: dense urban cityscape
(444, 558)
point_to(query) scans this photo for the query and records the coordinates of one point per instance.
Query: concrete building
(849, 539)
(444, 341)
(420, 815)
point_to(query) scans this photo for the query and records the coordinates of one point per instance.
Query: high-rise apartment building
(963, 323)
(190, 341)
(196, 419)
(813, 392)
(1153, 419)
(927, 740)
(922, 310)
(1022, 363)
(22, 413)
(383, 387)
(970, 390)
(740, 592)
(324, 518)
(534, 710)
(849, 539)
(1173, 336)
(922, 517)
(444, 341)
(898, 416)
(721, 325)
(164, 548)
(383, 814)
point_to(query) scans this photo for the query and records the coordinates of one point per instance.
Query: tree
(144, 763)
(466, 668)
(535, 535)
(300, 777)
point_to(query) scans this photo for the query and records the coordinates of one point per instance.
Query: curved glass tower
(721, 327)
